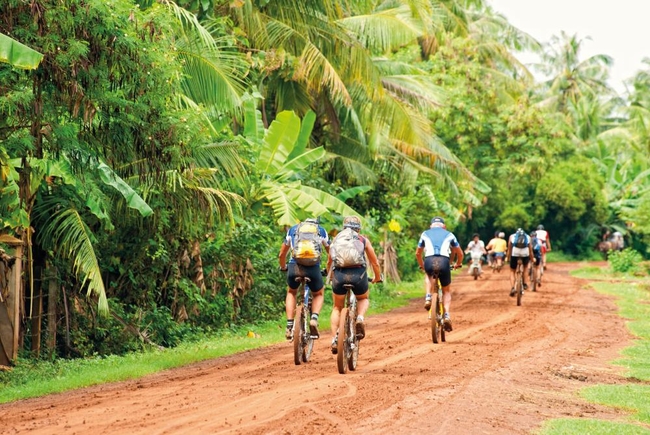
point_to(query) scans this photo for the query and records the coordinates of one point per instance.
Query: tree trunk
(37, 314)
(52, 297)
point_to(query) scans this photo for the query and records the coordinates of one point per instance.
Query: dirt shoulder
(504, 370)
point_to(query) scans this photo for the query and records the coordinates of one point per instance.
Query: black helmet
(438, 220)
(540, 227)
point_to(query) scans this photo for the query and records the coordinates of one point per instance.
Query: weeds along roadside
(38, 378)
(626, 279)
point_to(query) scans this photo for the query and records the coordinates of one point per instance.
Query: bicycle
(347, 352)
(437, 321)
(535, 275)
(303, 341)
(519, 280)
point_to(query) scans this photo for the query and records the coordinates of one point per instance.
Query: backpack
(520, 240)
(537, 245)
(307, 244)
(347, 249)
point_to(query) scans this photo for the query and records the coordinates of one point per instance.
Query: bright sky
(619, 29)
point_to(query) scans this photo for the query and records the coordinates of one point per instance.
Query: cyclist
(543, 236)
(438, 245)
(497, 248)
(308, 233)
(348, 253)
(537, 255)
(476, 249)
(519, 246)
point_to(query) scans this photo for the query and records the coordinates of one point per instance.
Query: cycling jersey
(437, 241)
(542, 235)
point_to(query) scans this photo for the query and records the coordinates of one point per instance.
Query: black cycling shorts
(438, 264)
(357, 276)
(311, 272)
(538, 259)
(513, 262)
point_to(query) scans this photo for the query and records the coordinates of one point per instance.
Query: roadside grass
(31, 378)
(632, 295)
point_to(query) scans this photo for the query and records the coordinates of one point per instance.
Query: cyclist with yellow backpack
(305, 241)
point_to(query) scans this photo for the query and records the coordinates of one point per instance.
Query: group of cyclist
(436, 250)
(355, 274)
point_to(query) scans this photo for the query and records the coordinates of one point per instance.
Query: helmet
(502, 235)
(520, 231)
(312, 220)
(438, 220)
(475, 235)
(533, 234)
(352, 222)
(540, 227)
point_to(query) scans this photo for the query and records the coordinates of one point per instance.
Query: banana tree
(282, 160)
(18, 55)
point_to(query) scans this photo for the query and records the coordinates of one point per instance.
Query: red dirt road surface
(503, 370)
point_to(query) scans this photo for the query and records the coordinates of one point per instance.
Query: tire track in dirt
(504, 370)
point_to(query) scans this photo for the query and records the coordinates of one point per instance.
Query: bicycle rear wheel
(353, 343)
(435, 327)
(520, 291)
(298, 335)
(441, 310)
(342, 353)
(307, 341)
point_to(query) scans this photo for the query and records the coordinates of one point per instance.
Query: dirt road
(504, 370)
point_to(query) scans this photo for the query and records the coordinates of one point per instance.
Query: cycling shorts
(437, 264)
(499, 254)
(357, 276)
(538, 258)
(312, 272)
(513, 262)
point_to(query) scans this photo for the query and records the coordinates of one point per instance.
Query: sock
(359, 318)
(289, 323)
(428, 296)
(314, 316)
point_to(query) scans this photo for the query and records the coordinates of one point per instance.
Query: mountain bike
(347, 352)
(534, 273)
(519, 280)
(437, 312)
(303, 341)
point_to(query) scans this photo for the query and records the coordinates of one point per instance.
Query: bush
(627, 260)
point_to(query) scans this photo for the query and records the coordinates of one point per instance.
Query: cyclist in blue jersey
(309, 270)
(438, 245)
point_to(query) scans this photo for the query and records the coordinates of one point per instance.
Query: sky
(617, 28)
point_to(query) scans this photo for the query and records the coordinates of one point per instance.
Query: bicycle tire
(298, 335)
(475, 273)
(353, 343)
(441, 310)
(533, 280)
(435, 327)
(342, 347)
(307, 341)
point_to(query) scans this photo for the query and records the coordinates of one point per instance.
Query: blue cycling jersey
(437, 241)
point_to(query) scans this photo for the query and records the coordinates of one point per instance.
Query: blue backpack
(520, 240)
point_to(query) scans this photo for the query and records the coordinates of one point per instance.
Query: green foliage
(627, 260)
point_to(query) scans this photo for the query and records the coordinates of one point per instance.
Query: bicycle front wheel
(342, 353)
(298, 335)
(520, 292)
